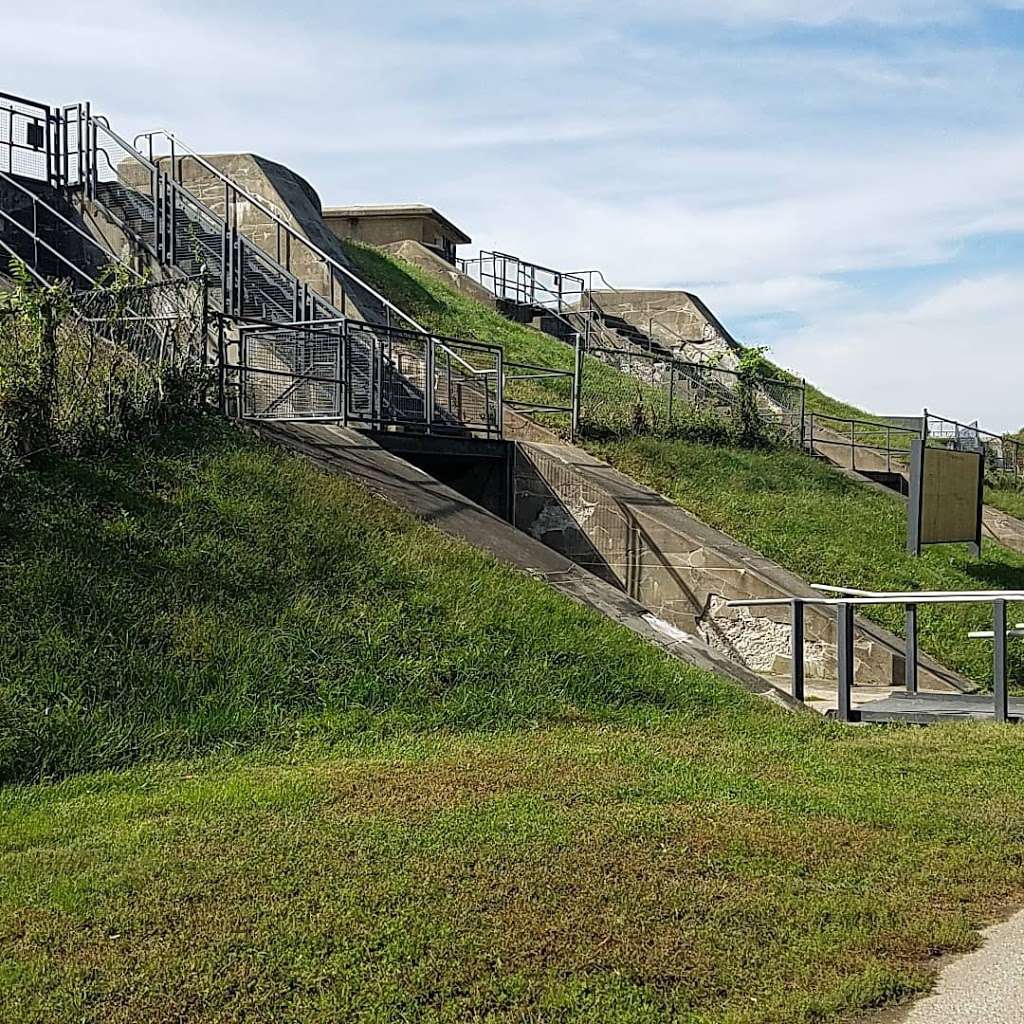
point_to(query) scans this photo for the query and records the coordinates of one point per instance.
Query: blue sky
(840, 179)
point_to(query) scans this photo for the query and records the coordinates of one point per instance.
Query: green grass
(207, 590)
(1007, 499)
(749, 868)
(367, 774)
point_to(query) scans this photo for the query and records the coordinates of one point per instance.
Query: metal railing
(31, 234)
(543, 390)
(1002, 454)
(634, 391)
(350, 372)
(290, 248)
(884, 440)
(29, 139)
(846, 600)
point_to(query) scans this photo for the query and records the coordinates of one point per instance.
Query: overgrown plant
(79, 370)
(753, 428)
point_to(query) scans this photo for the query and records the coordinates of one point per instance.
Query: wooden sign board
(946, 497)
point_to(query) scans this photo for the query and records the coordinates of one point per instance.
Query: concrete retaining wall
(684, 571)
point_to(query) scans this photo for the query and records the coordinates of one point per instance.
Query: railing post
(342, 383)
(999, 691)
(853, 444)
(428, 382)
(222, 366)
(577, 387)
(500, 393)
(844, 659)
(797, 647)
(910, 649)
(803, 408)
(671, 387)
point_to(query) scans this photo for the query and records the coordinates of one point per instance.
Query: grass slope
(464, 798)
(807, 516)
(209, 590)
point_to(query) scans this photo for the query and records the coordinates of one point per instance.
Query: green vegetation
(1006, 498)
(433, 789)
(365, 773)
(205, 589)
(746, 868)
(77, 372)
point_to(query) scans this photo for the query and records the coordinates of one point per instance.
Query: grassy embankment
(805, 515)
(417, 786)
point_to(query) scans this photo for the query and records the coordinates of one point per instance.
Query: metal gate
(356, 373)
(29, 140)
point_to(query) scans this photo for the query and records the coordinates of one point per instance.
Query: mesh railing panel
(466, 384)
(291, 373)
(25, 138)
(362, 373)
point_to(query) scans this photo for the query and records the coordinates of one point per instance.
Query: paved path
(984, 987)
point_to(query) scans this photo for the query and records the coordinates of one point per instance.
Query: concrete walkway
(984, 987)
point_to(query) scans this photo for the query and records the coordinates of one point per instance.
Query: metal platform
(926, 708)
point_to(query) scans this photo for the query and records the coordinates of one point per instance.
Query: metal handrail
(265, 209)
(604, 280)
(67, 222)
(984, 438)
(846, 599)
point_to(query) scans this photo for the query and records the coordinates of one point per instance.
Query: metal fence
(102, 359)
(1002, 454)
(626, 391)
(842, 438)
(350, 372)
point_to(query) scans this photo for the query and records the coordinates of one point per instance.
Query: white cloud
(956, 351)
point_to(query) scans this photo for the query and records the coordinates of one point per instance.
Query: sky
(840, 180)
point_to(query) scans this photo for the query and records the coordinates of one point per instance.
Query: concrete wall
(685, 571)
(670, 316)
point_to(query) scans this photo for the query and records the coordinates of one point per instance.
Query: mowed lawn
(749, 867)
(273, 751)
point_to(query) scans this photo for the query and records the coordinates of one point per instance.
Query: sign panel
(946, 495)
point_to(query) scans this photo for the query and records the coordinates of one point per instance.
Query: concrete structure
(426, 259)
(384, 224)
(679, 320)
(684, 571)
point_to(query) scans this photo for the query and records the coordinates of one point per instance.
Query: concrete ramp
(356, 455)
